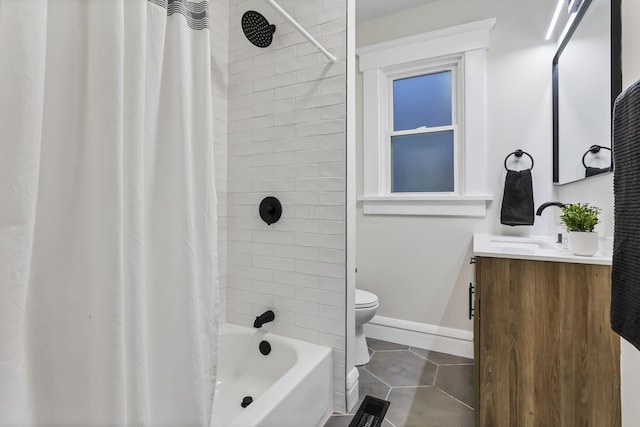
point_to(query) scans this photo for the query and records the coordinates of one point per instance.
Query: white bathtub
(290, 387)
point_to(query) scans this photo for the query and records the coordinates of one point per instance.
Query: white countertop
(540, 248)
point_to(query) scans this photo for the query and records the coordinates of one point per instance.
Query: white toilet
(366, 307)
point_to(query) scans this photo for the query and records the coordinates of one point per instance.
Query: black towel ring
(593, 150)
(518, 153)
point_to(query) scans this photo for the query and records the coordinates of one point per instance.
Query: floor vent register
(370, 413)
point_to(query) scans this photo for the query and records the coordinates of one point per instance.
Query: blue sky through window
(422, 101)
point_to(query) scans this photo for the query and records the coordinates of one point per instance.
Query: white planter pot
(584, 243)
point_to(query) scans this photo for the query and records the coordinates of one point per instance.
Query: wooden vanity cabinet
(545, 355)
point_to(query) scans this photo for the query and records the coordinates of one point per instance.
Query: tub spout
(265, 317)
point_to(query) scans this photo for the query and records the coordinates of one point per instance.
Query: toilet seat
(365, 299)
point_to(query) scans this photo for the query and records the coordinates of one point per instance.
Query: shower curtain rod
(304, 32)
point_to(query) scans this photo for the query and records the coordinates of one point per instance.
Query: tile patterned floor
(425, 388)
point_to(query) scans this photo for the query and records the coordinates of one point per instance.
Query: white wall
(419, 266)
(287, 139)
(599, 192)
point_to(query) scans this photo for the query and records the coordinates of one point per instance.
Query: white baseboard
(436, 338)
(352, 388)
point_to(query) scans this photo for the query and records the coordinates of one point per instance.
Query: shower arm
(302, 31)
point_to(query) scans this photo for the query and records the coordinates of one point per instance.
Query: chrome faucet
(267, 316)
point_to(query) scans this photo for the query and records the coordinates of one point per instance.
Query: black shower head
(257, 28)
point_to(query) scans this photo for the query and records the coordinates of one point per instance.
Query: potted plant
(580, 220)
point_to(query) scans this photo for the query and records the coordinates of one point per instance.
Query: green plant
(580, 216)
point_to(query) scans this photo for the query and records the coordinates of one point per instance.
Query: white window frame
(464, 47)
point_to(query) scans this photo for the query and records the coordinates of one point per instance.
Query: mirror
(587, 77)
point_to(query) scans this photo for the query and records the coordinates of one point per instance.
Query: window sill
(427, 205)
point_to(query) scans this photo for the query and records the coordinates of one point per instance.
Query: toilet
(366, 307)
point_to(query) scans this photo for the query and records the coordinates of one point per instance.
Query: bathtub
(290, 387)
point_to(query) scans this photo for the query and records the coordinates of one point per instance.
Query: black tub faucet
(265, 317)
(547, 204)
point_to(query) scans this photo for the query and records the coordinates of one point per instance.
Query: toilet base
(362, 351)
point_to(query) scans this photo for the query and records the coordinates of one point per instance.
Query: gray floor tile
(442, 358)
(457, 380)
(344, 420)
(376, 345)
(416, 406)
(339, 421)
(369, 385)
(426, 407)
(402, 368)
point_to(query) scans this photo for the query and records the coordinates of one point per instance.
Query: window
(423, 136)
(424, 123)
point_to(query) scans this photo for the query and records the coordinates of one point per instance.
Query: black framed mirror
(586, 78)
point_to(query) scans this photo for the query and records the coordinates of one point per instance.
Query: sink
(542, 248)
(519, 243)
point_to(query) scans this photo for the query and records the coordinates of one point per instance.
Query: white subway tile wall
(287, 138)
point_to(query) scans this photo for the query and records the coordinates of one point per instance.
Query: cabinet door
(546, 353)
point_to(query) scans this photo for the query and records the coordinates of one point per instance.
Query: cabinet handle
(471, 292)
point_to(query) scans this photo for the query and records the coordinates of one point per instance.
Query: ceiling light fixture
(572, 9)
(554, 20)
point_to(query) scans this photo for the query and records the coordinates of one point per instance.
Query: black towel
(625, 272)
(591, 171)
(517, 201)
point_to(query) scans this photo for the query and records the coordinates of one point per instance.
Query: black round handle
(270, 210)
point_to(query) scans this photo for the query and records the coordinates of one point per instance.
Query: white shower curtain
(107, 214)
